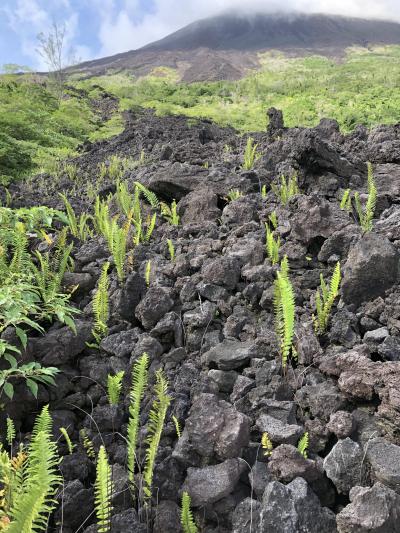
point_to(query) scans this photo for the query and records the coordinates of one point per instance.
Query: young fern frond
(154, 427)
(147, 274)
(325, 298)
(178, 428)
(272, 245)
(114, 386)
(149, 195)
(100, 305)
(266, 444)
(345, 203)
(34, 504)
(284, 305)
(273, 219)
(250, 154)
(151, 224)
(286, 189)
(171, 249)
(124, 198)
(87, 444)
(139, 383)
(103, 489)
(187, 521)
(70, 446)
(366, 215)
(170, 213)
(233, 194)
(71, 216)
(302, 446)
(118, 249)
(21, 260)
(10, 434)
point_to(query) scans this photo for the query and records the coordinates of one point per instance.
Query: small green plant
(266, 444)
(366, 214)
(171, 249)
(67, 439)
(302, 446)
(233, 194)
(345, 202)
(324, 300)
(251, 155)
(33, 374)
(264, 191)
(100, 305)
(273, 219)
(178, 428)
(10, 434)
(286, 189)
(103, 490)
(170, 213)
(79, 227)
(147, 274)
(272, 245)
(87, 444)
(154, 429)
(139, 383)
(284, 305)
(187, 521)
(114, 386)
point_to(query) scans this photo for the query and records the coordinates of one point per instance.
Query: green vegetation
(266, 444)
(187, 521)
(286, 188)
(272, 245)
(100, 305)
(251, 155)
(114, 386)
(366, 215)
(324, 300)
(302, 445)
(284, 305)
(103, 489)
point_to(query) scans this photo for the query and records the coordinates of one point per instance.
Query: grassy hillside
(36, 129)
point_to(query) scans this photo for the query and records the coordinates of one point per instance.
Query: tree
(51, 49)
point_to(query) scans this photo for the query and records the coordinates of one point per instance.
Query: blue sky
(96, 28)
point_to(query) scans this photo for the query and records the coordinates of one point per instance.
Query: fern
(366, 215)
(273, 219)
(139, 383)
(178, 428)
(70, 446)
(118, 249)
(187, 521)
(170, 213)
(10, 431)
(149, 195)
(302, 446)
(114, 386)
(171, 249)
(266, 444)
(103, 489)
(100, 305)
(264, 191)
(272, 245)
(284, 305)
(147, 275)
(325, 298)
(87, 444)
(233, 194)
(345, 203)
(36, 501)
(286, 189)
(155, 426)
(250, 154)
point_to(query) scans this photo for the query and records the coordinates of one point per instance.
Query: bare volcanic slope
(226, 46)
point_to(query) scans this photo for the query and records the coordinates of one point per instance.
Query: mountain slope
(226, 47)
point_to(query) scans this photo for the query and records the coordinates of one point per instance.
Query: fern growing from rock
(187, 521)
(114, 386)
(366, 215)
(100, 305)
(103, 489)
(284, 305)
(325, 298)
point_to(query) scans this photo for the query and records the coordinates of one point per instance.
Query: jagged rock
(286, 463)
(224, 380)
(259, 478)
(199, 206)
(215, 427)
(229, 354)
(294, 508)
(246, 516)
(341, 424)
(167, 517)
(278, 431)
(371, 268)
(390, 348)
(120, 344)
(343, 465)
(156, 303)
(77, 504)
(211, 483)
(223, 271)
(322, 399)
(384, 459)
(375, 509)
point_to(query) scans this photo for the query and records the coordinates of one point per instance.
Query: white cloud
(120, 32)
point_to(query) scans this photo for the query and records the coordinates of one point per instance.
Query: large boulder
(343, 465)
(156, 303)
(384, 459)
(372, 267)
(230, 354)
(294, 508)
(372, 510)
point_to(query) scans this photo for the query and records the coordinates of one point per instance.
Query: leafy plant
(154, 429)
(35, 502)
(178, 428)
(10, 434)
(170, 213)
(148, 273)
(79, 227)
(345, 202)
(171, 249)
(324, 299)
(114, 386)
(187, 520)
(273, 219)
(284, 305)
(33, 374)
(366, 215)
(302, 446)
(272, 245)
(266, 444)
(87, 444)
(286, 189)
(139, 383)
(233, 194)
(100, 305)
(250, 154)
(70, 446)
(103, 489)
(264, 191)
